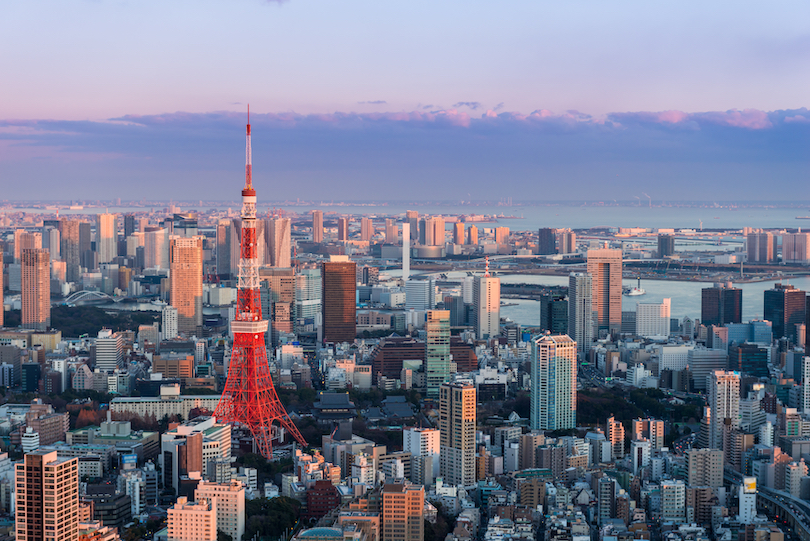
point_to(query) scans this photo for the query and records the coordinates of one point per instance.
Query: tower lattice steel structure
(249, 397)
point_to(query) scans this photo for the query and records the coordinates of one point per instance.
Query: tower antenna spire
(248, 156)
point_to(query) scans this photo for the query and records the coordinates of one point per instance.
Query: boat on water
(636, 291)
(158, 302)
(803, 217)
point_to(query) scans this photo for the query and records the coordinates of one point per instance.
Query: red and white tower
(249, 397)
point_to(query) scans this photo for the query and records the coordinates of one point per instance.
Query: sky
(371, 100)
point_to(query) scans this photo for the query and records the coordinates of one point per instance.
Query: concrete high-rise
(457, 423)
(277, 235)
(339, 308)
(546, 241)
(229, 501)
(649, 429)
(36, 289)
(437, 355)
(47, 497)
(724, 404)
(424, 445)
(487, 306)
(412, 217)
(391, 232)
(434, 231)
(280, 304)
(704, 467)
(156, 248)
(796, 248)
(472, 235)
(25, 240)
(69, 229)
(168, 326)
(106, 237)
(366, 229)
(308, 290)
(406, 250)
(458, 233)
(223, 254)
(580, 310)
(317, 226)
(761, 247)
(186, 276)
(721, 304)
(501, 235)
(343, 229)
(605, 268)
(402, 512)
(566, 241)
(554, 382)
(653, 319)
(615, 435)
(666, 246)
(192, 521)
(784, 306)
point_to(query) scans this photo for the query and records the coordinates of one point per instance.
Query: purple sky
(362, 100)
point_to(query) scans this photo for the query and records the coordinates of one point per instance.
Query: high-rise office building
(761, 247)
(1, 295)
(724, 404)
(437, 355)
(106, 237)
(281, 300)
(343, 229)
(653, 319)
(580, 310)
(457, 424)
(308, 290)
(458, 233)
(501, 235)
(367, 229)
(69, 229)
(186, 278)
(434, 231)
(131, 225)
(785, 306)
(47, 497)
(554, 313)
(666, 246)
(277, 235)
(36, 289)
(339, 279)
(412, 217)
(156, 248)
(88, 259)
(472, 235)
(402, 515)
(605, 268)
(721, 304)
(546, 241)
(554, 382)
(317, 226)
(223, 254)
(487, 306)
(109, 350)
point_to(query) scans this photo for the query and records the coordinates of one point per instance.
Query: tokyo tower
(249, 397)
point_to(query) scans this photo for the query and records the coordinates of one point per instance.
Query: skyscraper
(724, 404)
(186, 282)
(554, 313)
(472, 235)
(434, 231)
(308, 290)
(24, 240)
(720, 304)
(796, 248)
(412, 217)
(277, 235)
(501, 235)
(566, 241)
(339, 278)
(366, 229)
(437, 355)
(546, 241)
(106, 237)
(168, 326)
(652, 319)
(281, 283)
(666, 246)
(487, 306)
(605, 268)
(343, 229)
(615, 435)
(580, 309)
(224, 240)
(156, 248)
(458, 233)
(47, 497)
(390, 231)
(554, 382)
(457, 423)
(317, 226)
(761, 247)
(784, 307)
(71, 254)
(36, 289)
